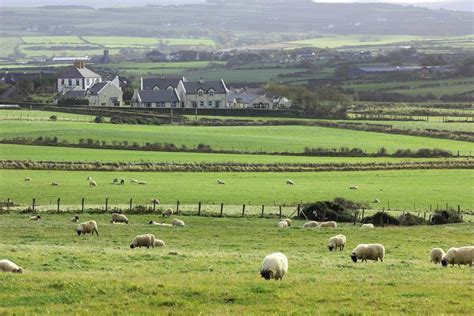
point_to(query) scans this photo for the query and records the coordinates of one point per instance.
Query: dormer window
(211, 92)
(200, 92)
(156, 88)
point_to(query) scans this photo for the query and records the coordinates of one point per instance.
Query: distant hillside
(208, 19)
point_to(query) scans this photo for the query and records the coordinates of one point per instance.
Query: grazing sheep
(155, 201)
(147, 240)
(159, 243)
(288, 221)
(376, 201)
(220, 182)
(462, 255)
(436, 255)
(55, 184)
(35, 218)
(9, 266)
(75, 219)
(368, 225)
(274, 266)
(337, 242)
(311, 224)
(329, 224)
(88, 227)
(89, 178)
(134, 180)
(282, 224)
(290, 182)
(92, 183)
(122, 181)
(353, 187)
(160, 224)
(115, 181)
(167, 212)
(27, 179)
(119, 218)
(177, 222)
(368, 252)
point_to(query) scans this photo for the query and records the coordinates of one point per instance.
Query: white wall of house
(65, 84)
(110, 95)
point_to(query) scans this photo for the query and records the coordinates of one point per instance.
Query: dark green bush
(408, 219)
(446, 217)
(327, 211)
(381, 219)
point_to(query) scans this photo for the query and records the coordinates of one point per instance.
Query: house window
(194, 104)
(211, 93)
(78, 82)
(209, 104)
(201, 104)
(217, 104)
(161, 104)
(200, 93)
(174, 104)
(70, 82)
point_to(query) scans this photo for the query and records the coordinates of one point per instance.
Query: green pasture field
(73, 51)
(8, 45)
(30, 66)
(46, 153)
(401, 188)
(34, 115)
(52, 40)
(432, 124)
(211, 266)
(146, 41)
(249, 138)
(244, 75)
(355, 40)
(158, 66)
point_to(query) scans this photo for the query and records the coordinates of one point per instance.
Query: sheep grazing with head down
(311, 224)
(159, 243)
(167, 212)
(134, 181)
(288, 221)
(160, 224)
(290, 182)
(92, 183)
(177, 222)
(353, 187)
(55, 184)
(88, 227)
(329, 224)
(368, 225)
(122, 181)
(115, 181)
(27, 179)
(274, 266)
(75, 219)
(146, 240)
(459, 256)
(282, 224)
(119, 218)
(220, 181)
(35, 218)
(9, 266)
(436, 255)
(366, 252)
(337, 242)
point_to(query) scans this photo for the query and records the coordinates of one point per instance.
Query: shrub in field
(446, 217)
(381, 219)
(328, 211)
(408, 219)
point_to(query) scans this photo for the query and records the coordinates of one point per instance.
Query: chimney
(201, 80)
(79, 64)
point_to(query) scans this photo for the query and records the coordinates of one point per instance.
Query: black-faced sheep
(89, 178)
(274, 266)
(366, 252)
(55, 184)
(311, 224)
(122, 181)
(461, 255)
(115, 181)
(337, 242)
(88, 227)
(376, 201)
(9, 266)
(436, 255)
(92, 183)
(75, 219)
(167, 212)
(288, 221)
(353, 187)
(119, 218)
(146, 240)
(220, 181)
(290, 182)
(35, 218)
(329, 224)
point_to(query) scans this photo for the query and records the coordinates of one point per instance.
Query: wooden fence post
(33, 204)
(8, 204)
(243, 210)
(199, 208)
(388, 205)
(363, 211)
(429, 220)
(82, 205)
(59, 202)
(154, 205)
(177, 207)
(106, 204)
(131, 204)
(298, 210)
(222, 209)
(459, 208)
(279, 208)
(263, 209)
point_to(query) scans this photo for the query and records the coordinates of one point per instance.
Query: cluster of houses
(162, 92)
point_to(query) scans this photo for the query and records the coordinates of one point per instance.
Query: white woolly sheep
(288, 221)
(177, 222)
(35, 218)
(436, 255)
(274, 266)
(9, 266)
(290, 182)
(461, 255)
(141, 182)
(282, 224)
(146, 240)
(89, 178)
(353, 187)
(329, 224)
(88, 227)
(376, 201)
(311, 224)
(167, 212)
(92, 183)
(75, 219)
(160, 224)
(134, 180)
(337, 242)
(368, 225)
(159, 243)
(55, 184)
(368, 252)
(27, 179)
(220, 181)
(119, 218)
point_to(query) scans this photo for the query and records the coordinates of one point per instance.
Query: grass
(253, 138)
(146, 41)
(8, 45)
(52, 40)
(211, 266)
(401, 188)
(34, 115)
(355, 40)
(44, 153)
(432, 124)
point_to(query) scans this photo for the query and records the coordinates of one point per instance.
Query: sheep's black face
(79, 233)
(330, 248)
(354, 257)
(131, 246)
(267, 275)
(39, 217)
(444, 263)
(151, 222)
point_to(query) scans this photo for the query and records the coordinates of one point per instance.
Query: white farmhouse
(77, 77)
(203, 94)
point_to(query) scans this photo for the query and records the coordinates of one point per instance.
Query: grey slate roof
(162, 83)
(193, 87)
(156, 96)
(75, 94)
(97, 87)
(73, 72)
(242, 97)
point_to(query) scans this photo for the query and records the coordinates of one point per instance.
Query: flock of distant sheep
(275, 265)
